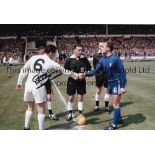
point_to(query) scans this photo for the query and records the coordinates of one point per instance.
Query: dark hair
(50, 48)
(78, 45)
(109, 44)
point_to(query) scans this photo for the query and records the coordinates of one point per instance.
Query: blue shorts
(114, 88)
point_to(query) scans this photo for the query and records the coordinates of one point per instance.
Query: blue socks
(117, 115)
(120, 117)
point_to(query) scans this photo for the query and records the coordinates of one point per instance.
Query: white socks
(97, 97)
(106, 97)
(80, 106)
(28, 115)
(49, 105)
(70, 106)
(41, 121)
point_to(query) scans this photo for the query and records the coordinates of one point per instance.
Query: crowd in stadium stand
(11, 51)
(133, 46)
(14, 49)
(66, 45)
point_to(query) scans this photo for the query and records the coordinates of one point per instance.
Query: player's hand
(19, 87)
(81, 76)
(123, 90)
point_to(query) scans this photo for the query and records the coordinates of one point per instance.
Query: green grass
(138, 105)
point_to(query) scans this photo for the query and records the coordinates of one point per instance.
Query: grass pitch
(138, 105)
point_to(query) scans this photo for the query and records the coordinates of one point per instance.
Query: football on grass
(80, 120)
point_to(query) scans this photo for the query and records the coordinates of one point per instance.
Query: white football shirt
(36, 68)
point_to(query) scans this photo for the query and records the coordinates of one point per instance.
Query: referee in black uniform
(79, 64)
(100, 82)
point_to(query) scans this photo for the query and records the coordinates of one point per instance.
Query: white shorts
(36, 95)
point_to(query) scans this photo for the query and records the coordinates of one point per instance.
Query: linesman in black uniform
(100, 82)
(79, 64)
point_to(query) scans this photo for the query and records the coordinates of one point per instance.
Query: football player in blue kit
(116, 77)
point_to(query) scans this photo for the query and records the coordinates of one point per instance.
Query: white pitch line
(61, 96)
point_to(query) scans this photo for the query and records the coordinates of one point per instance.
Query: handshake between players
(83, 75)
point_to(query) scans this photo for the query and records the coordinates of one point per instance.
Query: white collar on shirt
(99, 52)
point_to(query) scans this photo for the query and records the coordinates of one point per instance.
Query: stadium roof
(59, 29)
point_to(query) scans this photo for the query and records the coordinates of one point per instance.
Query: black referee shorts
(101, 81)
(74, 86)
(48, 86)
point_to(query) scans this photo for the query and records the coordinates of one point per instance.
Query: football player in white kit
(49, 90)
(36, 69)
